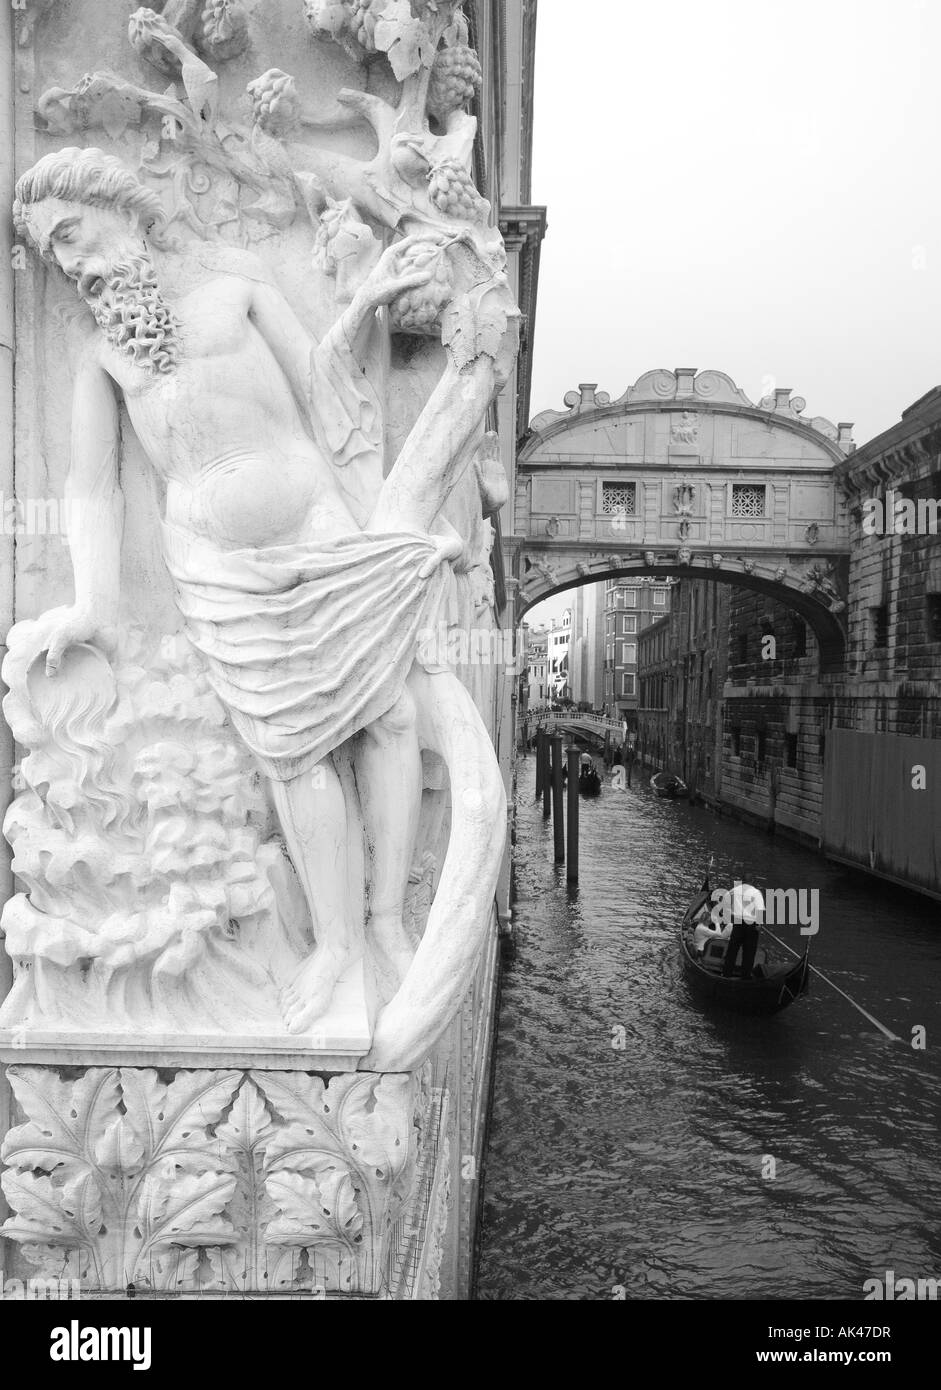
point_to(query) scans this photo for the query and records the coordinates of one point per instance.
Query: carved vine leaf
(405, 40)
(469, 331)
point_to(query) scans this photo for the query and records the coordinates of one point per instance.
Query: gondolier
(743, 908)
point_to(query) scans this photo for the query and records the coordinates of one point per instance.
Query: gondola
(668, 786)
(776, 982)
(589, 782)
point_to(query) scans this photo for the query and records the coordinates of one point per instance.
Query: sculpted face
(87, 242)
(103, 251)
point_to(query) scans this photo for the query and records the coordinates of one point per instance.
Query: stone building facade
(629, 608)
(847, 761)
(681, 670)
(586, 664)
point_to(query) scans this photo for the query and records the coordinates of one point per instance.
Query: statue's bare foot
(391, 944)
(310, 992)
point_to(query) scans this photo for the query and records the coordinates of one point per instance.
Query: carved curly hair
(85, 176)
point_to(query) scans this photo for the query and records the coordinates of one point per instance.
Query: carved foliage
(214, 1180)
(338, 1170)
(138, 827)
(116, 1178)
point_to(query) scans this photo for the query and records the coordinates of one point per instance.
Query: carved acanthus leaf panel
(216, 1180)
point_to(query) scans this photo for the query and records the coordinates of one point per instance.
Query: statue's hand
(398, 270)
(60, 628)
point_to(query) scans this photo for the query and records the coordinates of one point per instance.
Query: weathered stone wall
(772, 754)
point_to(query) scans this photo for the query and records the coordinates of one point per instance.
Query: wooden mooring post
(558, 802)
(572, 863)
(546, 776)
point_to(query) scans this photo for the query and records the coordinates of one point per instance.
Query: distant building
(629, 608)
(560, 636)
(681, 674)
(586, 650)
(546, 662)
(535, 668)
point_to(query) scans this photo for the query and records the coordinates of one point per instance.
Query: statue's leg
(461, 913)
(437, 449)
(389, 781)
(312, 812)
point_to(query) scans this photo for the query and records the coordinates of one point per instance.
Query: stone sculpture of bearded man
(307, 622)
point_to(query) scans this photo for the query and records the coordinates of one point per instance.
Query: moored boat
(669, 786)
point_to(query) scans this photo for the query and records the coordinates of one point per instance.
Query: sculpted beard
(134, 316)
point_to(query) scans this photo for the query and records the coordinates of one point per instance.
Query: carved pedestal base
(227, 1182)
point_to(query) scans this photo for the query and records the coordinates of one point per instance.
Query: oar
(893, 1037)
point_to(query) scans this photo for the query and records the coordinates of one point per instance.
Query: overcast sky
(746, 186)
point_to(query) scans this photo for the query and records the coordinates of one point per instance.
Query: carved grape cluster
(452, 191)
(419, 310)
(327, 18)
(455, 77)
(363, 17)
(346, 20)
(275, 103)
(223, 28)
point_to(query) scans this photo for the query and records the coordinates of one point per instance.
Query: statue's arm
(290, 341)
(95, 516)
(389, 277)
(328, 377)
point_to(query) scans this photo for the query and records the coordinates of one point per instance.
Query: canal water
(645, 1168)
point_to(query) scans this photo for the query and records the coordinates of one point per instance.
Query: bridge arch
(823, 616)
(684, 476)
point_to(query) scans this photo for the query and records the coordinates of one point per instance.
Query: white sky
(748, 186)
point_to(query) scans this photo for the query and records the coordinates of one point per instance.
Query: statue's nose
(71, 263)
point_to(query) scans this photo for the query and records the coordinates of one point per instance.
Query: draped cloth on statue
(306, 643)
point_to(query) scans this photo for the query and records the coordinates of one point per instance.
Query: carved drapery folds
(222, 1181)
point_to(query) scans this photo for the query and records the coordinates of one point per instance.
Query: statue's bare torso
(223, 428)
